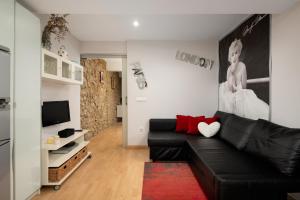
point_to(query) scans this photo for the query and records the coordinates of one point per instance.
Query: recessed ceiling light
(135, 23)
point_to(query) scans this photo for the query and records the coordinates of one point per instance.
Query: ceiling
(120, 7)
(152, 27)
(111, 20)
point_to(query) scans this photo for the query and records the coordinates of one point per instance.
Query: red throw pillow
(182, 123)
(211, 119)
(193, 124)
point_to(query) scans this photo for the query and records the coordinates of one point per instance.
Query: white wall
(285, 92)
(114, 64)
(59, 92)
(103, 47)
(71, 43)
(174, 87)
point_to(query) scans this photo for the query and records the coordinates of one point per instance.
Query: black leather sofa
(227, 166)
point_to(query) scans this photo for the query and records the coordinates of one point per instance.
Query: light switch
(141, 99)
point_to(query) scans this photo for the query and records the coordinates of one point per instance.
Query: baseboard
(137, 147)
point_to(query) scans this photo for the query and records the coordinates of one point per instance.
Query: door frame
(124, 103)
(124, 90)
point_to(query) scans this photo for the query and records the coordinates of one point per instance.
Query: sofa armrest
(162, 125)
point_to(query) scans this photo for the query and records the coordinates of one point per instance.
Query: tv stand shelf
(64, 141)
(50, 160)
(56, 160)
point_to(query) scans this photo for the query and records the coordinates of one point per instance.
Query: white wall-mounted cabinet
(7, 8)
(58, 69)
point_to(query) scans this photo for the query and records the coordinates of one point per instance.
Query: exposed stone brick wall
(99, 101)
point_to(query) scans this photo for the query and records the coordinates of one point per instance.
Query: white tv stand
(56, 160)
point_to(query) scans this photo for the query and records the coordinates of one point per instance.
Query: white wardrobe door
(7, 23)
(27, 163)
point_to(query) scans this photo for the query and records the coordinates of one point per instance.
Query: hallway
(113, 173)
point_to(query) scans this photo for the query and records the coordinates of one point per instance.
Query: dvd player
(66, 132)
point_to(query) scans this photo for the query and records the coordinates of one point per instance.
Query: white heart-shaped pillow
(209, 130)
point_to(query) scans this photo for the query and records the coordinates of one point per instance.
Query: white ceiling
(152, 27)
(111, 20)
(158, 6)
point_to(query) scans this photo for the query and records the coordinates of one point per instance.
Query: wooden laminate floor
(113, 173)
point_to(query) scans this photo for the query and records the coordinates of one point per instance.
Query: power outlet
(141, 130)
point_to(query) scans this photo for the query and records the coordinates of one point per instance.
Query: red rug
(170, 181)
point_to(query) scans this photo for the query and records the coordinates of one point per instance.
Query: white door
(27, 156)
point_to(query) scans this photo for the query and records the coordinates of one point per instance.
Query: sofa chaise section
(225, 173)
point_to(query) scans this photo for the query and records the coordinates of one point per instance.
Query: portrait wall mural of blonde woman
(244, 69)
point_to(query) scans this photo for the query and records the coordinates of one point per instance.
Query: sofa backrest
(223, 116)
(237, 130)
(162, 125)
(277, 144)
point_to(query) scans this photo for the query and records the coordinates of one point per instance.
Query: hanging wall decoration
(194, 59)
(139, 75)
(57, 25)
(113, 82)
(101, 77)
(244, 76)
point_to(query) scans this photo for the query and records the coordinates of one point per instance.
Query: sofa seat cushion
(169, 138)
(207, 143)
(221, 158)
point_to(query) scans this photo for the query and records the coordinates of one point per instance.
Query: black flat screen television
(55, 112)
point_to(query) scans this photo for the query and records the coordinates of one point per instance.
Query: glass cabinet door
(66, 70)
(78, 73)
(50, 65)
(60, 69)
